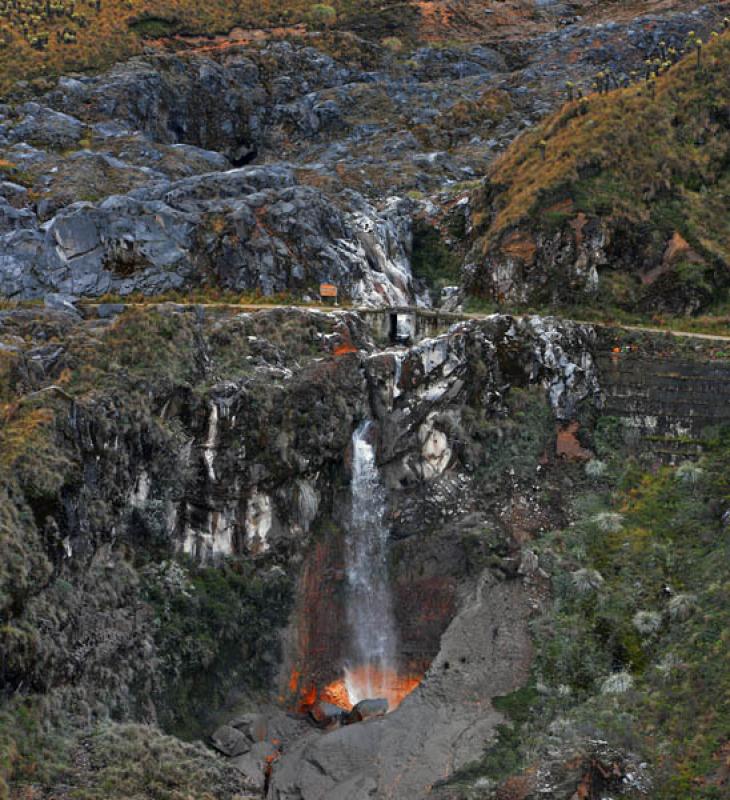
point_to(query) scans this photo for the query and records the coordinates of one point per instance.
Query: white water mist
(372, 653)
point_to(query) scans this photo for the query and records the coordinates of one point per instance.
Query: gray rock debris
(445, 723)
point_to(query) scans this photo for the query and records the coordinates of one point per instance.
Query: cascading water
(372, 656)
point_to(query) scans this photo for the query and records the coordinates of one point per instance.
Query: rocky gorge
(253, 546)
(176, 432)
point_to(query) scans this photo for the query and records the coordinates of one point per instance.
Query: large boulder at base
(375, 707)
(256, 764)
(326, 715)
(230, 741)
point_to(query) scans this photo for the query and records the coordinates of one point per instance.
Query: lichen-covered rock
(45, 127)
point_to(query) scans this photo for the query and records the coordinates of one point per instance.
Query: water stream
(372, 652)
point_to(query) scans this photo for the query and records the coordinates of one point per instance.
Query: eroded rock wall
(222, 438)
(667, 395)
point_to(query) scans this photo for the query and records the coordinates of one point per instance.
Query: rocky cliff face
(130, 181)
(238, 448)
(595, 206)
(177, 482)
(176, 478)
(135, 136)
(247, 230)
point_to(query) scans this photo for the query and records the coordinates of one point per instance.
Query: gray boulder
(230, 741)
(14, 219)
(46, 127)
(16, 195)
(326, 715)
(365, 709)
(109, 310)
(256, 763)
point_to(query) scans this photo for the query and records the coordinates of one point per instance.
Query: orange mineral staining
(369, 682)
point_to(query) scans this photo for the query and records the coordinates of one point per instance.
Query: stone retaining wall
(672, 401)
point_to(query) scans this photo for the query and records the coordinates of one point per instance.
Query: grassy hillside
(631, 657)
(49, 37)
(651, 160)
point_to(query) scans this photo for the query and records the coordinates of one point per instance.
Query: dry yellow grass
(118, 28)
(646, 155)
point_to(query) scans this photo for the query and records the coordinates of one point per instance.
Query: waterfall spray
(372, 657)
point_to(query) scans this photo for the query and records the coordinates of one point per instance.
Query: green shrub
(392, 43)
(432, 261)
(321, 15)
(217, 629)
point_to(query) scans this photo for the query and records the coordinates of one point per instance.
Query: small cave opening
(243, 155)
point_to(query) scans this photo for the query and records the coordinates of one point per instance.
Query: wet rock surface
(445, 723)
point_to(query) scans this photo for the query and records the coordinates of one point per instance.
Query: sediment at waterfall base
(441, 725)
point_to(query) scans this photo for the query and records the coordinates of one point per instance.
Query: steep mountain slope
(174, 483)
(618, 199)
(122, 182)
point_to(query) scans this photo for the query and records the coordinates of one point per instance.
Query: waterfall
(397, 372)
(211, 440)
(372, 656)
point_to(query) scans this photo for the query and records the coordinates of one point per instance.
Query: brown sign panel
(327, 290)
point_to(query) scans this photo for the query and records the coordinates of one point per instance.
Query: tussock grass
(630, 154)
(119, 28)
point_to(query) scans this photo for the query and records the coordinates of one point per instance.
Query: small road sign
(328, 290)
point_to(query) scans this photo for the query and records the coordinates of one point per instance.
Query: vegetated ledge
(617, 200)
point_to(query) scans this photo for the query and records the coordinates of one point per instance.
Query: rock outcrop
(253, 229)
(350, 132)
(250, 464)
